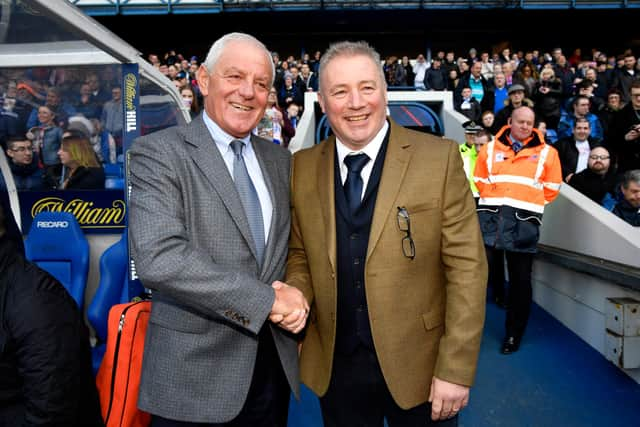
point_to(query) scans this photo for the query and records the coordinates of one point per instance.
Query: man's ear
(202, 75)
(321, 102)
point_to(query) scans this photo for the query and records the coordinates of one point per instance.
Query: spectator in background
(408, 69)
(190, 101)
(598, 179)
(468, 105)
(516, 99)
(527, 76)
(293, 111)
(23, 163)
(46, 139)
(99, 95)
(487, 66)
(289, 93)
(628, 209)
(106, 142)
(10, 124)
(453, 79)
(574, 150)
(624, 132)
(61, 110)
(500, 92)
(623, 77)
(420, 69)
(550, 135)
(87, 104)
(113, 116)
(309, 78)
(480, 88)
(547, 98)
(82, 170)
(580, 109)
(435, 78)
(275, 124)
(611, 108)
(487, 119)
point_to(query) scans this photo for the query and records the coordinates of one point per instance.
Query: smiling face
(354, 98)
(236, 89)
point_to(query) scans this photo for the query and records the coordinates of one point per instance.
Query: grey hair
(347, 48)
(219, 45)
(631, 176)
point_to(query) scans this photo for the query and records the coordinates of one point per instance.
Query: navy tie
(249, 198)
(516, 145)
(353, 183)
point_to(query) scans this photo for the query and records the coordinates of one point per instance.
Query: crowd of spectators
(581, 102)
(42, 108)
(587, 106)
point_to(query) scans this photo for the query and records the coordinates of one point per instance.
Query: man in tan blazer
(385, 246)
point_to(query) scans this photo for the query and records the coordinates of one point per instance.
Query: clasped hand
(290, 308)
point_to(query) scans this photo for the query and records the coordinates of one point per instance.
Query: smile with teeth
(241, 107)
(357, 118)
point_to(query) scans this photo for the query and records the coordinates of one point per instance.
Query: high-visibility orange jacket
(527, 180)
(514, 189)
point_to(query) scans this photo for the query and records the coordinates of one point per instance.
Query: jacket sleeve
(298, 273)
(465, 270)
(481, 173)
(552, 178)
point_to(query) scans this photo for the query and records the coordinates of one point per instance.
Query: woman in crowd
(82, 170)
(190, 100)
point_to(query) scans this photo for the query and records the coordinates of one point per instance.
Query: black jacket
(45, 359)
(86, 179)
(592, 185)
(628, 213)
(569, 155)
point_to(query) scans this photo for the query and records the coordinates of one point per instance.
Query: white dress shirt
(583, 155)
(223, 143)
(371, 149)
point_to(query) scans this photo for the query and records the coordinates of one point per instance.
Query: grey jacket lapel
(206, 156)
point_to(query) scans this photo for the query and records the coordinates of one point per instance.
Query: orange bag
(118, 378)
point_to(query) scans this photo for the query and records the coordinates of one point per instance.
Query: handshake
(290, 308)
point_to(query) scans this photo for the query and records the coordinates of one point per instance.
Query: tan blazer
(426, 314)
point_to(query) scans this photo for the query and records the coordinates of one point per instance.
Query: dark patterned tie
(248, 197)
(353, 183)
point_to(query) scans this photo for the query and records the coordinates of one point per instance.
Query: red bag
(118, 378)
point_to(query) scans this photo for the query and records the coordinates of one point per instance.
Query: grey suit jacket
(192, 246)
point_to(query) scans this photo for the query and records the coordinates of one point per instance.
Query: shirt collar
(221, 138)
(371, 149)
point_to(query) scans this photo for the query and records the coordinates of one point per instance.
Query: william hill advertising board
(96, 211)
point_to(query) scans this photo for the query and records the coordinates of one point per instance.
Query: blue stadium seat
(111, 183)
(409, 114)
(57, 244)
(110, 291)
(112, 170)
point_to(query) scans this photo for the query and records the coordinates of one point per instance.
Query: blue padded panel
(61, 270)
(56, 242)
(113, 170)
(113, 275)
